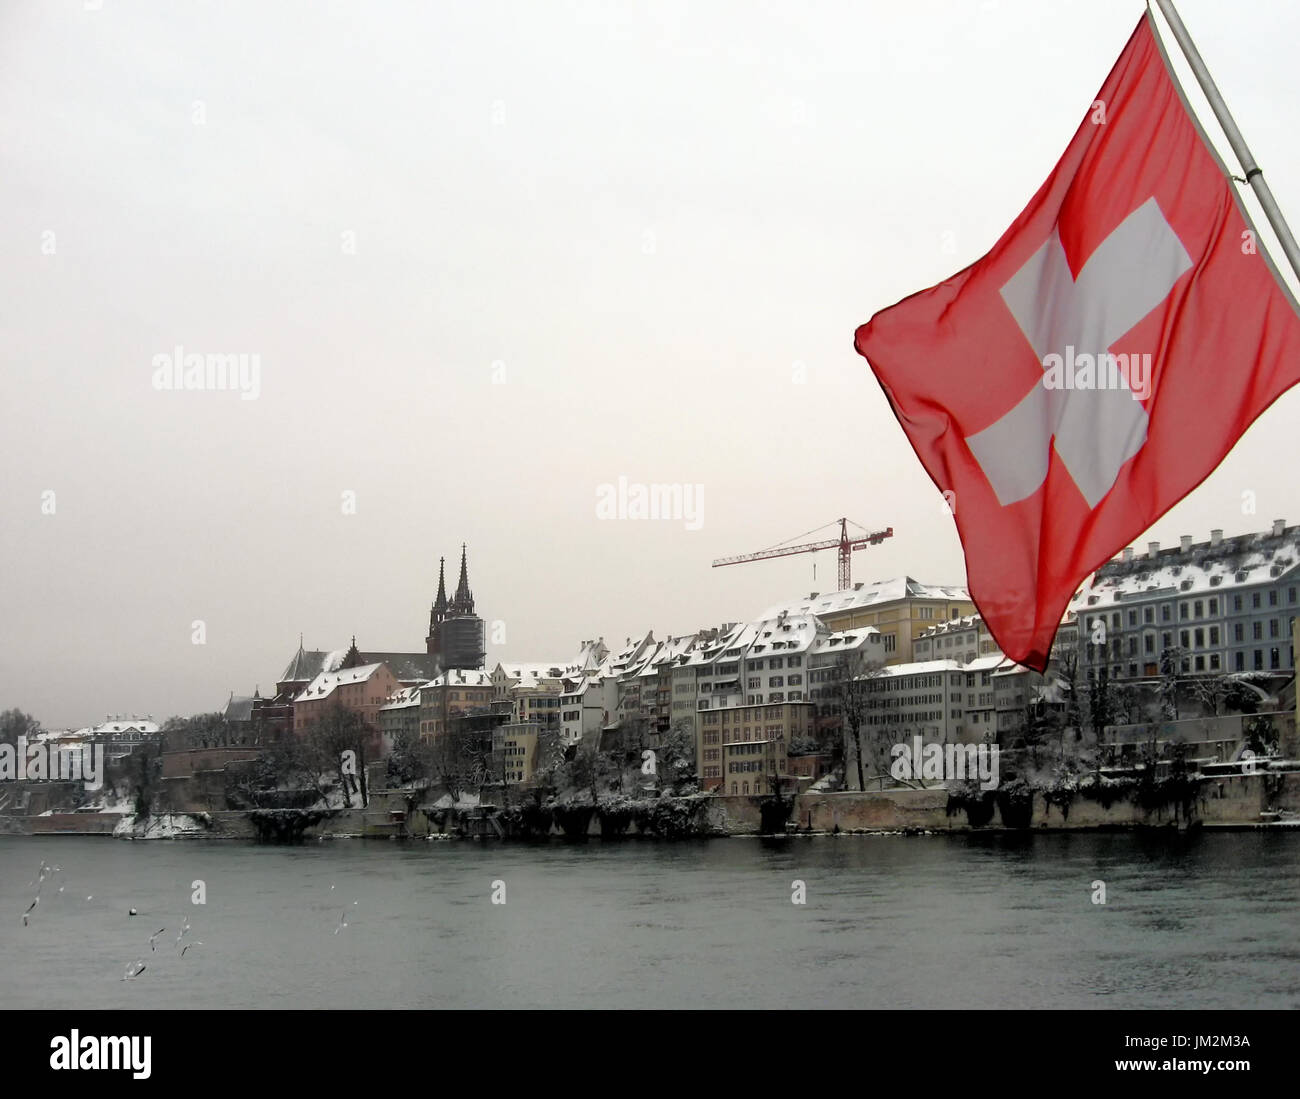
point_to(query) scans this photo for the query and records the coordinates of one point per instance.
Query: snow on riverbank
(162, 826)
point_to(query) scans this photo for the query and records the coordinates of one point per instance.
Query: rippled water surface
(923, 921)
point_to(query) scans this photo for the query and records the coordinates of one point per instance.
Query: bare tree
(1211, 691)
(14, 723)
(1042, 723)
(1171, 663)
(331, 737)
(209, 730)
(676, 757)
(1068, 674)
(854, 694)
(549, 756)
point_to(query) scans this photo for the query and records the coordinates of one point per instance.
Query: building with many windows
(926, 699)
(900, 609)
(533, 690)
(962, 639)
(443, 698)
(399, 717)
(744, 749)
(514, 752)
(361, 689)
(1222, 606)
(587, 705)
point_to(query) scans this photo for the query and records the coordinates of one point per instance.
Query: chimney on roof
(1186, 541)
(1128, 553)
(814, 595)
(857, 586)
(1153, 548)
(1279, 525)
(1216, 536)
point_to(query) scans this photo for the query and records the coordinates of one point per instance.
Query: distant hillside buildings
(762, 702)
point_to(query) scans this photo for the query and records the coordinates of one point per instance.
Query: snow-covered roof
(590, 656)
(55, 735)
(536, 670)
(786, 634)
(675, 648)
(986, 663)
(409, 668)
(402, 699)
(325, 684)
(1203, 567)
(952, 625)
(922, 667)
(124, 725)
(462, 677)
(634, 649)
(846, 640)
(866, 595)
(580, 684)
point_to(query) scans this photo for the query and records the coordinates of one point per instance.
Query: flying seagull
(133, 971)
(188, 945)
(155, 936)
(343, 922)
(29, 909)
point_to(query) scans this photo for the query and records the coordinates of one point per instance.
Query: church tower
(456, 634)
(437, 612)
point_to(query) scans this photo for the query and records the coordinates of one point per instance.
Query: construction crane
(845, 543)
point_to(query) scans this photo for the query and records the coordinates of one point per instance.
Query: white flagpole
(1254, 176)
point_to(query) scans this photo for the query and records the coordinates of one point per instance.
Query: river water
(985, 921)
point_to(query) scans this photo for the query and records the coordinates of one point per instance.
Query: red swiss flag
(1071, 386)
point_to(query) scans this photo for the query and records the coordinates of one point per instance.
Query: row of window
(901, 703)
(768, 712)
(1209, 663)
(1196, 638)
(755, 683)
(905, 719)
(774, 662)
(1195, 608)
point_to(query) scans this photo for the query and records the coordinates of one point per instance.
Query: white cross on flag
(1076, 382)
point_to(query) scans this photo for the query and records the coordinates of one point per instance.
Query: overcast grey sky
(645, 214)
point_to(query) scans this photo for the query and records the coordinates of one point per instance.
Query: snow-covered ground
(466, 801)
(161, 826)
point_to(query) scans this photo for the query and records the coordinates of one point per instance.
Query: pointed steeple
(440, 602)
(463, 601)
(352, 659)
(438, 611)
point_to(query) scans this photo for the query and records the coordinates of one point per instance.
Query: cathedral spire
(440, 603)
(463, 601)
